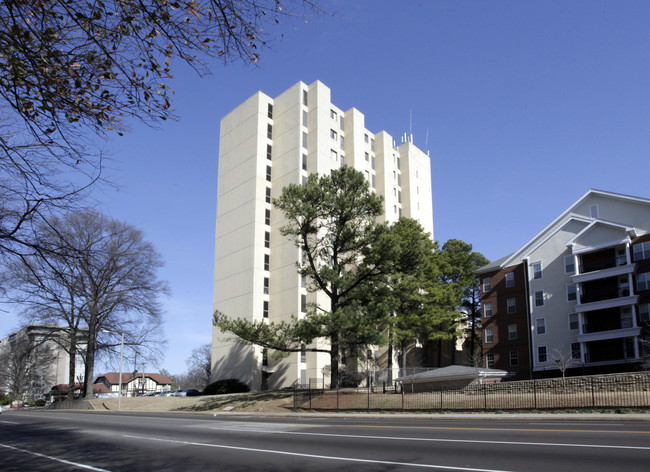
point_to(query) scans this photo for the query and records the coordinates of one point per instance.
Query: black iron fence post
(593, 395)
(338, 390)
(485, 397)
(535, 393)
(368, 382)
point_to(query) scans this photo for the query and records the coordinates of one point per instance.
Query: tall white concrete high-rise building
(265, 144)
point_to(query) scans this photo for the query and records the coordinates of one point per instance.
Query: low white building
(134, 384)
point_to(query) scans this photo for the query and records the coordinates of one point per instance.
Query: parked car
(190, 392)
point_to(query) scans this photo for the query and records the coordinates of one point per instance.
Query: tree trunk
(89, 370)
(389, 364)
(72, 364)
(334, 356)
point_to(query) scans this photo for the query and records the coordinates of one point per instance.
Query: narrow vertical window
(269, 131)
(569, 264)
(537, 270)
(539, 297)
(269, 151)
(270, 111)
(304, 162)
(267, 262)
(304, 139)
(304, 118)
(267, 217)
(267, 239)
(268, 195)
(265, 310)
(304, 97)
(303, 303)
(510, 279)
(266, 285)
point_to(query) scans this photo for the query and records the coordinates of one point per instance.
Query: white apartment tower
(265, 144)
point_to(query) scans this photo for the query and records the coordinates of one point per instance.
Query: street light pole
(119, 398)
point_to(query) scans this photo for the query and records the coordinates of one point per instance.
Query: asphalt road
(40, 440)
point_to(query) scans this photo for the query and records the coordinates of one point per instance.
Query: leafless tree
(199, 368)
(25, 366)
(94, 273)
(73, 73)
(562, 361)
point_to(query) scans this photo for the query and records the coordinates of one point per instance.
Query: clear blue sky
(526, 105)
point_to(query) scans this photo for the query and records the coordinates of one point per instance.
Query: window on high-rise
(269, 131)
(303, 303)
(644, 312)
(576, 352)
(267, 217)
(270, 111)
(334, 155)
(569, 264)
(304, 139)
(304, 97)
(267, 239)
(541, 354)
(571, 293)
(304, 118)
(643, 281)
(333, 134)
(487, 309)
(269, 151)
(641, 251)
(333, 114)
(268, 195)
(267, 262)
(574, 322)
(265, 309)
(512, 331)
(304, 162)
(268, 173)
(487, 284)
(266, 285)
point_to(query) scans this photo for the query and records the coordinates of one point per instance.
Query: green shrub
(221, 387)
(39, 402)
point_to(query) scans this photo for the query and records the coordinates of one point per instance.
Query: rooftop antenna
(411, 124)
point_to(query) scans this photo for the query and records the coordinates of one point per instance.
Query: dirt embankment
(265, 402)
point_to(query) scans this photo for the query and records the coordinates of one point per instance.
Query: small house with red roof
(134, 383)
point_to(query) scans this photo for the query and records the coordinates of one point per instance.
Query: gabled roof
(452, 372)
(113, 378)
(565, 217)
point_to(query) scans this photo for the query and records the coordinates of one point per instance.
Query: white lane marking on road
(10, 422)
(254, 426)
(471, 441)
(583, 423)
(316, 456)
(38, 454)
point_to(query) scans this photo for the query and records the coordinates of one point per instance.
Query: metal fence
(588, 392)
